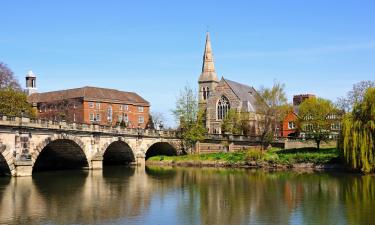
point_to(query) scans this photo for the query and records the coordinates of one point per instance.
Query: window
(91, 117)
(309, 127)
(222, 108)
(125, 107)
(109, 114)
(98, 105)
(120, 107)
(98, 117)
(119, 118)
(140, 108)
(291, 125)
(308, 117)
(206, 93)
(141, 119)
(335, 126)
(91, 105)
(126, 119)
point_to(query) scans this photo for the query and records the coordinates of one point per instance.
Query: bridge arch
(117, 152)
(59, 152)
(161, 148)
(5, 164)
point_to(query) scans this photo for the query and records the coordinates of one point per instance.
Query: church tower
(208, 79)
(31, 83)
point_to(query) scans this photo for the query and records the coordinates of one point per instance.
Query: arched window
(207, 92)
(204, 93)
(222, 108)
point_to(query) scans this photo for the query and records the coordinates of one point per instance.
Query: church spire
(208, 67)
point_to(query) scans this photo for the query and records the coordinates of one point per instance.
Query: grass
(273, 155)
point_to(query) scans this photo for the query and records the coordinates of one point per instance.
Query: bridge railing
(46, 124)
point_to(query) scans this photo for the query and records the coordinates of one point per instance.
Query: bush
(254, 154)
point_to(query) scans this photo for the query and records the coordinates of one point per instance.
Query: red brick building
(93, 105)
(289, 124)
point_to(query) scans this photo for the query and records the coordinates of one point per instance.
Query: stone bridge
(28, 145)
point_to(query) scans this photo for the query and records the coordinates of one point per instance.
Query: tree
(189, 117)
(14, 103)
(355, 95)
(315, 118)
(237, 123)
(272, 107)
(7, 79)
(358, 134)
(157, 120)
(232, 123)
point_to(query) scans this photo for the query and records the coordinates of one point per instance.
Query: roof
(208, 68)
(30, 74)
(90, 94)
(245, 93)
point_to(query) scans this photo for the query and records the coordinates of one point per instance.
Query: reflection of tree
(359, 199)
(188, 195)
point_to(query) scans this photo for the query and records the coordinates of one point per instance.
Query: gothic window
(207, 92)
(204, 93)
(223, 107)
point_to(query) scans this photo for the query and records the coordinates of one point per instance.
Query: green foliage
(14, 103)
(272, 156)
(190, 118)
(307, 155)
(237, 123)
(358, 134)
(254, 154)
(314, 118)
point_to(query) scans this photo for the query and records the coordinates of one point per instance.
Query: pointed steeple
(208, 67)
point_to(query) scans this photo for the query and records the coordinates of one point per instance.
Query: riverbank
(303, 158)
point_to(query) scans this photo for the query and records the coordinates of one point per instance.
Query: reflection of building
(90, 105)
(218, 97)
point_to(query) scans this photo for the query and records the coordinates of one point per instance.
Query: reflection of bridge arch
(59, 152)
(161, 148)
(4, 163)
(117, 153)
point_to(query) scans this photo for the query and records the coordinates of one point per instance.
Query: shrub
(254, 154)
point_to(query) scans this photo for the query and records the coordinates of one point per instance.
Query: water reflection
(119, 195)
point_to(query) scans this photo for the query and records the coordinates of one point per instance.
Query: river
(121, 195)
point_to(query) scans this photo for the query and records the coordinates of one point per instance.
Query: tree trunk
(318, 144)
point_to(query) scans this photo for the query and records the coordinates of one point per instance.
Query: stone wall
(289, 144)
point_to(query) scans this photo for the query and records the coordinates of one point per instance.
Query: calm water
(121, 195)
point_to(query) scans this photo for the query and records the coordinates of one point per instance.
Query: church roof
(245, 93)
(90, 94)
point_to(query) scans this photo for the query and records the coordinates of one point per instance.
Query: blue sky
(155, 47)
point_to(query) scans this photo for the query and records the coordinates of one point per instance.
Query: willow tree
(358, 134)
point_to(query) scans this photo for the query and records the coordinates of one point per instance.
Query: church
(216, 97)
